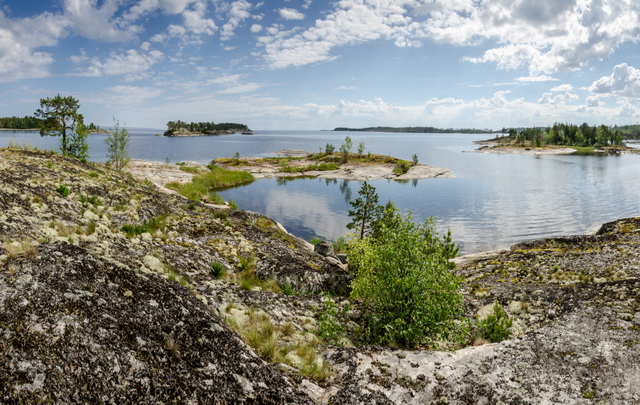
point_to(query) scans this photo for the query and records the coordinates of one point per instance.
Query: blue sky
(310, 64)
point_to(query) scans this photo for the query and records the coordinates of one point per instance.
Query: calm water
(493, 202)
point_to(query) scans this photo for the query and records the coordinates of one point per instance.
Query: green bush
(217, 270)
(495, 327)
(403, 279)
(150, 226)
(402, 167)
(93, 200)
(63, 190)
(331, 321)
(315, 240)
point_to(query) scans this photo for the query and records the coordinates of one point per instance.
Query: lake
(494, 201)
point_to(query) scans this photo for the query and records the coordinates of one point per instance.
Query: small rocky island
(180, 128)
(350, 166)
(114, 292)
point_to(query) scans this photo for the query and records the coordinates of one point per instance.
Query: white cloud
(291, 14)
(563, 87)
(624, 81)
(131, 64)
(594, 101)
(346, 88)
(557, 99)
(98, 23)
(19, 40)
(543, 36)
(195, 21)
(541, 78)
(352, 22)
(238, 12)
(255, 28)
(242, 88)
(127, 95)
(546, 35)
(174, 6)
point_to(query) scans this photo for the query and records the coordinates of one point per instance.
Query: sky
(315, 65)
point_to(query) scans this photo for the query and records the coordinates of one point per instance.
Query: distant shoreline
(417, 130)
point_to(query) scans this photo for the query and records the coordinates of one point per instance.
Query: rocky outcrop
(78, 329)
(575, 302)
(111, 292)
(107, 292)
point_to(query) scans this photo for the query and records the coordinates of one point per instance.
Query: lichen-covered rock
(111, 292)
(76, 329)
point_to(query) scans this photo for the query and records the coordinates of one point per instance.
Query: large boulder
(75, 329)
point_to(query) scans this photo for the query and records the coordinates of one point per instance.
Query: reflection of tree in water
(345, 190)
(281, 181)
(414, 182)
(284, 180)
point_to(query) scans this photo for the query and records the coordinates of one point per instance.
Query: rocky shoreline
(89, 313)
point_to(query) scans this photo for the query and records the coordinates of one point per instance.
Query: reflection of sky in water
(494, 200)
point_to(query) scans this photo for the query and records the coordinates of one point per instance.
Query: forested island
(419, 130)
(560, 134)
(181, 128)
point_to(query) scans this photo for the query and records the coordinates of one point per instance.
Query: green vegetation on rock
(204, 185)
(403, 279)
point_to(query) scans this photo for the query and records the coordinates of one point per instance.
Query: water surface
(494, 201)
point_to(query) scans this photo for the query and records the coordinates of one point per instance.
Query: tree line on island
(206, 128)
(565, 135)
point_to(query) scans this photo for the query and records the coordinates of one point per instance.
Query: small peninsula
(338, 165)
(559, 139)
(181, 128)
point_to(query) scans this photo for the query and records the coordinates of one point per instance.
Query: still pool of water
(494, 200)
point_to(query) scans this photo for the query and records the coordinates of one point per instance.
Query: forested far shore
(26, 122)
(32, 123)
(419, 130)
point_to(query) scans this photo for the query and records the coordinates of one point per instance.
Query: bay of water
(494, 201)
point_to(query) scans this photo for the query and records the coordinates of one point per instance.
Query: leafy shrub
(409, 296)
(340, 245)
(495, 327)
(402, 167)
(315, 240)
(331, 321)
(329, 149)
